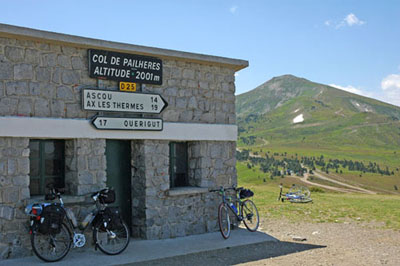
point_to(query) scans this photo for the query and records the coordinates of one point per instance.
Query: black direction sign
(120, 123)
(117, 101)
(125, 67)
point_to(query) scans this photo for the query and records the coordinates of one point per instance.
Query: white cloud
(349, 21)
(236, 74)
(233, 9)
(390, 86)
(348, 88)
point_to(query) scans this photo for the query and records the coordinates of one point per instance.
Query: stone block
(95, 163)
(65, 93)
(23, 71)
(18, 88)
(69, 77)
(77, 63)
(85, 178)
(14, 54)
(57, 108)
(73, 110)
(47, 90)
(188, 74)
(42, 108)
(4, 181)
(25, 107)
(34, 88)
(43, 74)
(181, 103)
(49, 60)
(25, 193)
(64, 61)
(20, 142)
(7, 212)
(10, 195)
(23, 166)
(6, 71)
(32, 56)
(12, 166)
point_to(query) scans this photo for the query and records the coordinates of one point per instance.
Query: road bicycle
(54, 228)
(296, 194)
(247, 211)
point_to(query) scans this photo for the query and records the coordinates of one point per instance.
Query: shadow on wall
(235, 255)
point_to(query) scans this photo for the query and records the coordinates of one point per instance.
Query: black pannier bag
(112, 216)
(51, 219)
(107, 196)
(246, 193)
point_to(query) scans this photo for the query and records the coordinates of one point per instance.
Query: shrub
(317, 190)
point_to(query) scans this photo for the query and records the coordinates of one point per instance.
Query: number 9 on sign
(127, 86)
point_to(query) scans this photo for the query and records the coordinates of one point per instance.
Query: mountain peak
(280, 90)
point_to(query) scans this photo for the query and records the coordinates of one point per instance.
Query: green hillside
(296, 116)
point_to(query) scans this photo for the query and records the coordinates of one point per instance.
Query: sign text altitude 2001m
(125, 67)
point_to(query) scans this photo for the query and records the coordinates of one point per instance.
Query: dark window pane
(34, 186)
(53, 167)
(34, 167)
(178, 164)
(34, 149)
(55, 181)
(46, 164)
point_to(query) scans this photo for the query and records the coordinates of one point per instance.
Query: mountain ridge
(327, 113)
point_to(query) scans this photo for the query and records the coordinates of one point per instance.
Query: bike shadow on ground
(235, 255)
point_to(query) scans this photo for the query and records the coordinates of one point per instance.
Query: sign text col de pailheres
(125, 67)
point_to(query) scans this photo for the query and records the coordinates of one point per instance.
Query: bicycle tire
(251, 219)
(49, 241)
(224, 220)
(105, 240)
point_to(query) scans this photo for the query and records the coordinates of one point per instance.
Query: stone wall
(161, 212)
(14, 189)
(85, 165)
(45, 80)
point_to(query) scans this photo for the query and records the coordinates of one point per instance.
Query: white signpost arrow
(116, 101)
(120, 123)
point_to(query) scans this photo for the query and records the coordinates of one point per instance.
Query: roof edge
(84, 42)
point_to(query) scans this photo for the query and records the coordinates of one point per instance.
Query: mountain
(293, 112)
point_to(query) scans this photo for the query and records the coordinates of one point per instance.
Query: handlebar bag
(246, 193)
(107, 196)
(51, 219)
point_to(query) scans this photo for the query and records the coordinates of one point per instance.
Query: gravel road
(353, 243)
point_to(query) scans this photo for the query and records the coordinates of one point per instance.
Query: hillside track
(348, 189)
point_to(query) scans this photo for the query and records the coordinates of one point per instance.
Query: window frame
(42, 175)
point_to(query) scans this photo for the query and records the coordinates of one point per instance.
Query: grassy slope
(327, 207)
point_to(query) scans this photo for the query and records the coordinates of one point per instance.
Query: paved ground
(155, 251)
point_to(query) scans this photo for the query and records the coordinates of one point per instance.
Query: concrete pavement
(146, 250)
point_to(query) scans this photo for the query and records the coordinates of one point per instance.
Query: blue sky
(354, 45)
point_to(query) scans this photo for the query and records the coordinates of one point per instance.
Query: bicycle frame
(227, 200)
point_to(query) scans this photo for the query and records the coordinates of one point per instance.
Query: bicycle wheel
(250, 215)
(224, 221)
(52, 247)
(112, 242)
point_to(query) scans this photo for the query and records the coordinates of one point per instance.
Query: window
(178, 164)
(46, 165)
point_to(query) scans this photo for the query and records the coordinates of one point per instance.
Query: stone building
(48, 133)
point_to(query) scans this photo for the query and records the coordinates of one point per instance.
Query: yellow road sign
(127, 86)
